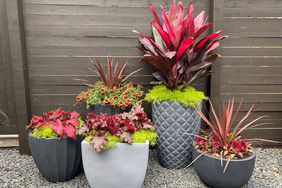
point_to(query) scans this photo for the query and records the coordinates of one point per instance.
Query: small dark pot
(57, 160)
(107, 109)
(210, 171)
(172, 119)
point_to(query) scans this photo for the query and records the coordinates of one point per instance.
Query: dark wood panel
(252, 42)
(86, 31)
(252, 80)
(241, 71)
(114, 3)
(253, 26)
(254, 97)
(84, 51)
(251, 89)
(251, 60)
(249, 51)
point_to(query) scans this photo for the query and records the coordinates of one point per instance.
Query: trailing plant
(178, 51)
(187, 97)
(224, 139)
(56, 124)
(112, 88)
(121, 97)
(104, 132)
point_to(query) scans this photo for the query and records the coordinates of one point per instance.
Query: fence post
(19, 69)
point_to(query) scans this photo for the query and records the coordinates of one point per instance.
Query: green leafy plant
(188, 97)
(104, 132)
(56, 124)
(177, 51)
(112, 88)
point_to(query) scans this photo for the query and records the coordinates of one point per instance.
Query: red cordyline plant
(224, 140)
(113, 77)
(178, 52)
(63, 123)
(99, 129)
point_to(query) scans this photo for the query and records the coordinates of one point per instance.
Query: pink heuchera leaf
(69, 131)
(74, 114)
(126, 137)
(36, 119)
(73, 122)
(57, 113)
(58, 127)
(98, 142)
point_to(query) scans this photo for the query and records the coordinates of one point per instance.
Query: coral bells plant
(225, 140)
(104, 132)
(112, 88)
(179, 51)
(56, 124)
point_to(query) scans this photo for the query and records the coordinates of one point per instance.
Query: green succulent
(142, 135)
(44, 132)
(187, 97)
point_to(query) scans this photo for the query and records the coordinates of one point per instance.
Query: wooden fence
(50, 42)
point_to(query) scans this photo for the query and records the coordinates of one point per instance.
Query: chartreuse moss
(139, 136)
(142, 135)
(187, 97)
(112, 141)
(44, 132)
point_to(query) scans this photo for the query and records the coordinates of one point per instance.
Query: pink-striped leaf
(185, 44)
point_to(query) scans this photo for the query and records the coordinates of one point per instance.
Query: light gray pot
(210, 171)
(174, 149)
(122, 166)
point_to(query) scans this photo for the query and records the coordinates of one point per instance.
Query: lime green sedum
(112, 141)
(188, 97)
(44, 132)
(142, 135)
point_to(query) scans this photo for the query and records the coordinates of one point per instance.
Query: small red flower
(140, 94)
(235, 143)
(115, 97)
(124, 97)
(106, 101)
(120, 103)
(102, 90)
(128, 101)
(125, 94)
(123, 107)
(87, 94)
(134, 95)
(78, 99)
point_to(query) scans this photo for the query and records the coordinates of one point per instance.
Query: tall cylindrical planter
(172, 119)
(57, 160)
(105, 109)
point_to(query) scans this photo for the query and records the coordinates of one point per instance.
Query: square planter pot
(57, 160)
(122, 166)
(210, 171)
(171, 119)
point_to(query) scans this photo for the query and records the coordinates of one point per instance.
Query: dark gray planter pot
(57, 160)
(122, 166)
(106, 109)
(174, 149)
(210, 171)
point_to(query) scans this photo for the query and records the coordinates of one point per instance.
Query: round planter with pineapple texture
(122, 166)
(106, 109)
(210, 170)
(57, 160)
(172, 119)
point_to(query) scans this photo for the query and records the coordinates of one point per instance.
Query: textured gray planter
(122, 166)
(174, 149)
(57, 160)
(210, 171)
(105, 109)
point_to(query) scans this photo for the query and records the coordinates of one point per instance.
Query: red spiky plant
(178, 51)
